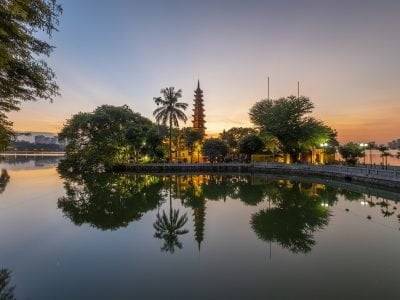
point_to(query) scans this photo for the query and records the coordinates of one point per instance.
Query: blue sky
(344, 53)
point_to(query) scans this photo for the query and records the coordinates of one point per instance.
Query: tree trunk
(170, 140)
(294, 157)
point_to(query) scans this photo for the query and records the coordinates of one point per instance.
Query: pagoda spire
(198, 110)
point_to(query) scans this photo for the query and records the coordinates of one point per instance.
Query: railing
(390, 174)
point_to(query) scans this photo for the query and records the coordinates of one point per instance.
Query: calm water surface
(193, 237)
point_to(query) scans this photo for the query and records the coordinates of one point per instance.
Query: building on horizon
(395, 144)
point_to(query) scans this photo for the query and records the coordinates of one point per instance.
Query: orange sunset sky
(345, 55)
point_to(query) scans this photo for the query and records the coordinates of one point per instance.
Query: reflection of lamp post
(364, 146)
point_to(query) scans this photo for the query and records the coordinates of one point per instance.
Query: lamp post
(364, 146)
(324, 145)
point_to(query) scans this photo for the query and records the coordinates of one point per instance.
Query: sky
(345, 53)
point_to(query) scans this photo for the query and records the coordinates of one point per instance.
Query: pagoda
(198, 116)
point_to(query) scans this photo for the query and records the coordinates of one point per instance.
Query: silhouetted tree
(215, 149)
(6, 289)
(287, 119)
(251, 144)
(170, 111)
(25, 76)
(233, 136)
(351, 152)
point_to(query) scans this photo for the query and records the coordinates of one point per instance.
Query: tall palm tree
(170, 111)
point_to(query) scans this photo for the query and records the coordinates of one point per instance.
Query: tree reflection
(297, 213)
(6, 289)
(4, 179)
(109, 202)
(169, 228)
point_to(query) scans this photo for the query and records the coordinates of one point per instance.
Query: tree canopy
(233, 136)
(191, 136)
(24, 75)
(351, 152)
(251, 144)
(107, 136)
(215, 149)
(288, 120)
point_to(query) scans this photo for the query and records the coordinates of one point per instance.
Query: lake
(68, 236)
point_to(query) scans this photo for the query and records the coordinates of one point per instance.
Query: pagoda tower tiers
(198, 116)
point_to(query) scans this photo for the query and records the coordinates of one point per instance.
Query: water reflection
(22, 162)
(288, 212)
(109, 202)
(297, 213)
(6, 288)
(4, 179)
(170, 227)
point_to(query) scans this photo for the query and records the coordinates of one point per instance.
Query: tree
(191, 137)
(6, 289)
(233, 136)
(251, 144)
(370, 147)
(287, 119)
(24, 75)
(384, 150)
(351, 152)
(107, 136)
(215, 149)
(170, 111)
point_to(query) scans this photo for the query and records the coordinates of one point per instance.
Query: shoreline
(377, 177)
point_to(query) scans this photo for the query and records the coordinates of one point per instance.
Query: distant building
(47, 140)
(25, 137)
(395, 144)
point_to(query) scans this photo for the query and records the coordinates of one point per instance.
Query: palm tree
(384, 154)
(170, 111)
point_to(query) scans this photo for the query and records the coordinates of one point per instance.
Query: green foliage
(107, 201)
(170, 111)
(215, 149)
(191, 137)
(24, 75)
(293, 219)
(233, 136)
(287, 119)
(6, 132)
(6, 289)
(251, 144)
(351, 152)
(108, 136)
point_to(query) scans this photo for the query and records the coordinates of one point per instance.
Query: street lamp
(364, 146)
(323, 146)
